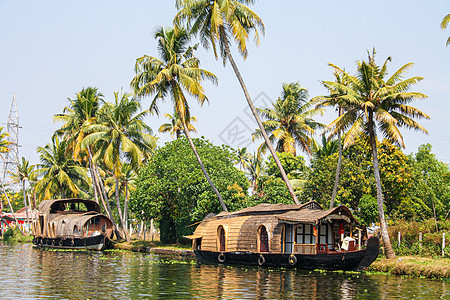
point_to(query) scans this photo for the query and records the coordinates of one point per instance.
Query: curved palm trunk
(376, 171)
(119, 209)
(186, 132)
(260, 125)
(338, 169)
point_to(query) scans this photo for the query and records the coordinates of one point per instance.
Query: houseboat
(72, 224)
(298, 236)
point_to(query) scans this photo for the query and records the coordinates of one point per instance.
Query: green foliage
(368, 209)
(293, 165)
(356, 177)
(272, 190)
(172, 188)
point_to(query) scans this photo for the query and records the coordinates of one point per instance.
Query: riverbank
(156, 248)
(415, 266)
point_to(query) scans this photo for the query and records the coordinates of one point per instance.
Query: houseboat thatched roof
(315, 215)
(265, 208)
(51, 206)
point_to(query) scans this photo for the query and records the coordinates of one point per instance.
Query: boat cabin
(71, 218)
(278, 228)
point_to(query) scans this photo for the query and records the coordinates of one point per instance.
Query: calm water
(28, 273)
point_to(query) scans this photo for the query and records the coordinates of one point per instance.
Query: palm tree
(177, 72)
(62, 176)
(375, 103)
(334, 99)
(444, 24)
(220, 22)
(327, 147)
(176, 126)
(243, 157)
(24, 174)
(77, 117)
(255, 170)
(121, 133)
(289, 122)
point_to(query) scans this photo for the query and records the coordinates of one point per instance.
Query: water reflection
(29, 273)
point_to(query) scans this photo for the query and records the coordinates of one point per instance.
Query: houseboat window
(263, 240)
(323, 234)
(304, 234)
(221, 234)
(41, 222)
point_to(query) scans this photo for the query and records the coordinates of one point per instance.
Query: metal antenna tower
(11, 163)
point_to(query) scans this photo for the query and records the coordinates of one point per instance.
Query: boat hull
(331, 260)
(99, 242)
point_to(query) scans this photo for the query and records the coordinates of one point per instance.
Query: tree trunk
(25, 201)
(125, 207)
(384, 233)
(186, 132)
(260, 125)
(92, 176)
(338, 168)
(119, 209)
(105, 197)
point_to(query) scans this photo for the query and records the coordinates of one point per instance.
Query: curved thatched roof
(49, 206)
(265, 208)
(313, 215)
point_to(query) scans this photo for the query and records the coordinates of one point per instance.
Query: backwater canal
(29, 273)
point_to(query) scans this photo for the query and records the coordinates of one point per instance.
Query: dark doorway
(263, 240)
(221, 239)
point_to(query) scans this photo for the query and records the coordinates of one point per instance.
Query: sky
(52, 49)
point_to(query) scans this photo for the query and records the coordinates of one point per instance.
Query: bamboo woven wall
(241, 233)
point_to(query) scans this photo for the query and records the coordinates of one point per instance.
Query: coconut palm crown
(289, 123)
(373, 103)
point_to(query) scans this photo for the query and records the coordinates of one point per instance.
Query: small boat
(72, 224)
(278, 235)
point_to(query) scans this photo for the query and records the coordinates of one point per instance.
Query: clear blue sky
(52, 49)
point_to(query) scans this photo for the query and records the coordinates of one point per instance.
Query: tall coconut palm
(121, 134)
(176, 126)
(82, 112)
(218, 23)
(444, 24)
(62, 176)
(289, 123)
(176, 73)
(377, 104)
(334, 99)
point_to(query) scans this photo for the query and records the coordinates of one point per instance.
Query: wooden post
(359, 239)
(399, 238)
(443, 243)
(420, 240)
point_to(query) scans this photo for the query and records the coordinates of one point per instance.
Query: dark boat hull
(331, 260)
(99, 242)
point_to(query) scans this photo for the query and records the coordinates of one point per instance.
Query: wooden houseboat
(72, 224)
(301, 236)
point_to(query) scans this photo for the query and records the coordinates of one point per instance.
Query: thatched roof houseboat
(303, 236)
(73, 224)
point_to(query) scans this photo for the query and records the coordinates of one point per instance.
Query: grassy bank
(414, 266)
(147, 246)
